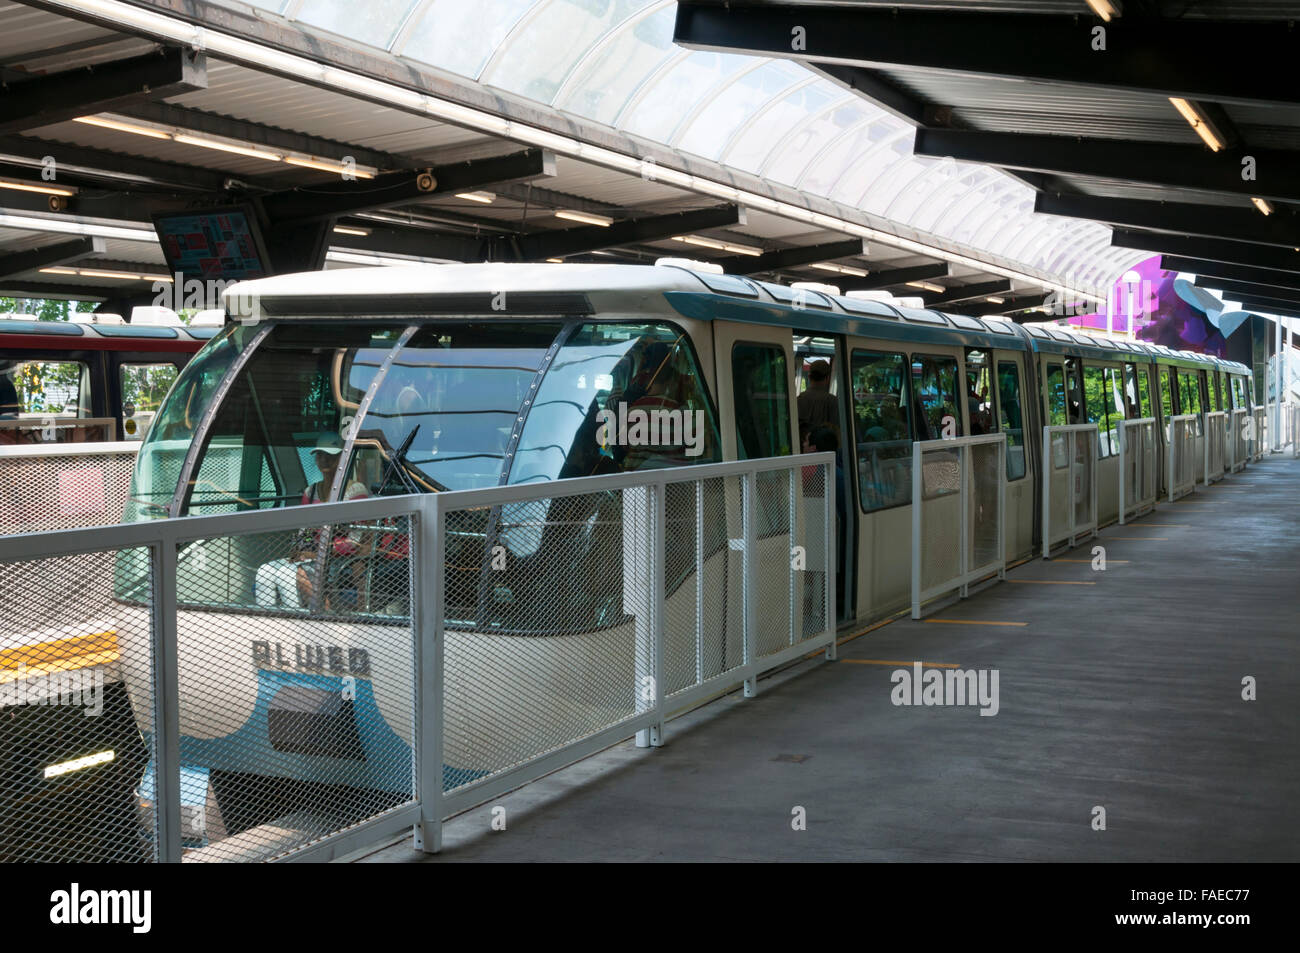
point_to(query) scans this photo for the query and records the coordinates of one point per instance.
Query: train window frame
(139, 432)
(1003, 421)
(992, 401)
(1050, 411)
(746, 401)
(903, 495)
(956, 412)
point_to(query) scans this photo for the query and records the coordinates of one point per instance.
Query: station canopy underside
(602, 72)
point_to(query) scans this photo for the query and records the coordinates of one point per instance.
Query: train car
(373, 382)
(91, 379)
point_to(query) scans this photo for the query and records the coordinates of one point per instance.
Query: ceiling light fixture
(1263, 206)
(351, 230)
(587, 218)
(120, 126)
(839, 269)
(994, 299)
(483, 198)
(18, 185)
(926, 286)
(1198, 122)
(1104, 9)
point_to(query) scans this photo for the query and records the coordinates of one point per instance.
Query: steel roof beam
(1240, 253)
(1170, 165)
(974, 292)
(417, 242)
(82, 162)
(891, 277)
(1243, 274)
(1206, 221)
(1010, 306)
(1164, 57)
(55, 97)
(585, 238)
(49, 256)
(398, 188)
(792, 257)
(1242, 289)
(1271, 306)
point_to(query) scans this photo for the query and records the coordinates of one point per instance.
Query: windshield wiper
(399, 465)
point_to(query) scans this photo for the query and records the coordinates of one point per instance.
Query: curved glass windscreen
(617, 397)
(158, 465)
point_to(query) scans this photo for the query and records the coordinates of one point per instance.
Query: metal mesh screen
(983, 536)
(719, 641)
(809, 606)
(1215, 433)
(940, 516)
(73, 761)
(1182, 446)
(1082, 493)
(296, 675)
(1139, 470)
(774, 541)
(62, 491)
(548, 628)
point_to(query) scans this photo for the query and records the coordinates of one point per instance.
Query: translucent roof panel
(613, 62)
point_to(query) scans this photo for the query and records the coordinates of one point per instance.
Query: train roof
(87, 331)
(513, 289)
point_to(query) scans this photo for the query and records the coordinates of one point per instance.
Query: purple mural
(1145, 299)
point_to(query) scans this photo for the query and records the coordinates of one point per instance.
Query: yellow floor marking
(972, 622)
(1109, 562)
(873, 661)
(1048, 582)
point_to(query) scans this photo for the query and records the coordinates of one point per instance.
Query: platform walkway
(1120, 689)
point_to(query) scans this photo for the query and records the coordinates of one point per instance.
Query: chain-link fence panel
(51, 488)
(548, 626)
(73, 760)
(984, 510)
(296, 680)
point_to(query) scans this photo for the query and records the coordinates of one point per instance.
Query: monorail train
(388, 381)
(92, 379)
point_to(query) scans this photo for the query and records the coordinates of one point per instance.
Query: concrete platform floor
(1120, 689)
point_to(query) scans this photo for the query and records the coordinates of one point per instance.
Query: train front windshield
(441, 416)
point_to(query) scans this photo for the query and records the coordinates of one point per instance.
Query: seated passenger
(272, 585)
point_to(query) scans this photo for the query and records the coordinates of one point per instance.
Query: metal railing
(1069, 485)
(958, 508)
(1139, 471)
(262, 703)
(1258, 434)
(1180, 474)
(1295, 430)
(1238, 445)
(1216, 438)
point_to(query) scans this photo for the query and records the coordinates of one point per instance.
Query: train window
(1190, 393)
(143, 388)
(1131, 394)
(883, 429)
(574, 428)
(1097, 406)
(1168, 392)
(759, 381)
(43, 402)
(1056, 396)
(1145, 408)
(934, 396)
(1012, 421)
(979, 393)
(1075, 400)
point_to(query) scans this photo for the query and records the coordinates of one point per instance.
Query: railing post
(832, 560)
(916, 529)
(166, 702)
(658, 518)
(963, 466)
(1123, 467)
(427, 601)
(792, 499)
(1049, 468)
(1173, 439)
(1002, 508)
(699, 580)
(749, 493)
(1095, 440)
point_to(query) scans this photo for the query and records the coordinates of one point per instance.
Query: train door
(1056, 453)
(993, 405)
(1168, 406)
(1104, 404)
(1021, 501)
(756, 410)
(822, 405)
